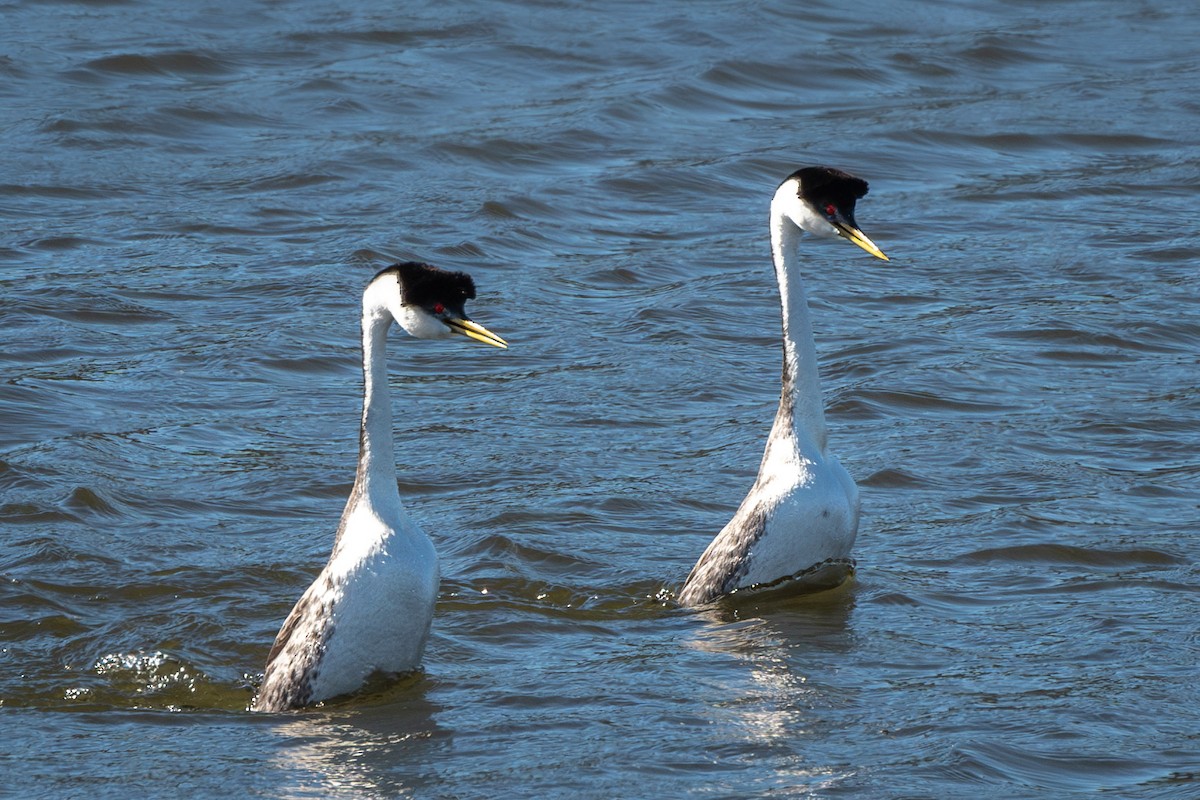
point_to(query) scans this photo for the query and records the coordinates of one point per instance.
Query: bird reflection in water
(363, 746)
(771, 710)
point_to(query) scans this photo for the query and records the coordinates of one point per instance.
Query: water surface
(193, 197)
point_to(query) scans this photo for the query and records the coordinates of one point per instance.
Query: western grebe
(800, 518)
(370, 608)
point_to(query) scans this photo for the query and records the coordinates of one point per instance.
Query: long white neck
(376, 479)
(801, 407)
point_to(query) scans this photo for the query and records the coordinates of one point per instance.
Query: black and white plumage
(800, 518)
(370, 608)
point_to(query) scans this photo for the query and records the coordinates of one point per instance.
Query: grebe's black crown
(426, 285)
(820, 186)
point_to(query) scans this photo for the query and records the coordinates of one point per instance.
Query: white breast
(368, 611)
(382, 607)
(811, 518)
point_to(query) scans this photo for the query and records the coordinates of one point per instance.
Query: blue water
(193, 197)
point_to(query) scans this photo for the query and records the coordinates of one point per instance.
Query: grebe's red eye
(831, 209)
(438, 308)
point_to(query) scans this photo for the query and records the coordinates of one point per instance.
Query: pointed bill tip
(862, 240)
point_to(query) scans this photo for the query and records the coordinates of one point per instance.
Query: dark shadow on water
(828, 591)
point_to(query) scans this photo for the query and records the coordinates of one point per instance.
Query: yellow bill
(859, 238)
(476, 331)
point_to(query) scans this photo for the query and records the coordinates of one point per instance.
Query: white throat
(801, 407)
(376, 479)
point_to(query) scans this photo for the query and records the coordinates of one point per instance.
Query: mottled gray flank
(727, 559)
(294, 662)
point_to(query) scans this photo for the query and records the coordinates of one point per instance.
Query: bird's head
(429, 303)
(821, 200)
